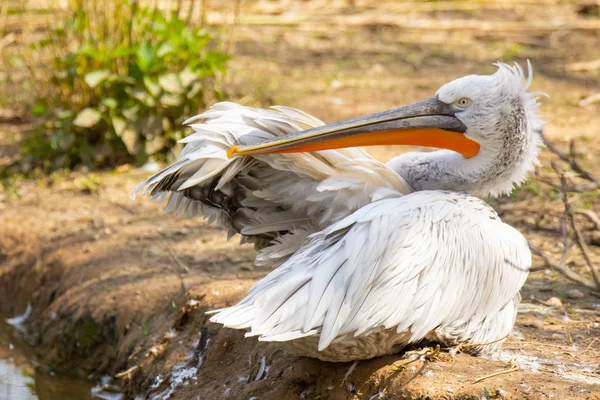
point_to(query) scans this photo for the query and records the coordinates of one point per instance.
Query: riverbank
(118, 288)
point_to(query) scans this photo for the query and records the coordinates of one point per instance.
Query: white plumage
(368, 257)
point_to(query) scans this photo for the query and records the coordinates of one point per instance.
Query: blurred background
(92, 99)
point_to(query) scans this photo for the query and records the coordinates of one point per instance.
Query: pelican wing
(428, 260)
(274, 200)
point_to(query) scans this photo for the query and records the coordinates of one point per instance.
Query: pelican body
(368, 257)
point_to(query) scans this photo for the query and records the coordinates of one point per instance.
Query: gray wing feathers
(265, 197)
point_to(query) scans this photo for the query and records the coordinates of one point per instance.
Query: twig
(558, 346)
(578, 236)
(127, 373)
(123, 207)
(354, 364)
(416, 374)
(183, 268)
(556, 322)
(463, 345)
(570, 188)
(568, 217)
(595, 98)
(401, 367)
(564, 231)
(539, 267)
(590, 345)
(570, 159)
(578, 168)
(592, 216)
(564, 270)
(508, 371)
(585, 251)
(180, 263)
(583, 66)
(7, 40)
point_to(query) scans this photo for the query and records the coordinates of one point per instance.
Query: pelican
(369, 257)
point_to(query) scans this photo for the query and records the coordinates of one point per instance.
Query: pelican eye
(463, 102)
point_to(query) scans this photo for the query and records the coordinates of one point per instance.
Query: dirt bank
(117, 286)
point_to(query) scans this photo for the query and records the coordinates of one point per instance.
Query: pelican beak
(428, 123)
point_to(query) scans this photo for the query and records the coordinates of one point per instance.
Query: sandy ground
(117, 287)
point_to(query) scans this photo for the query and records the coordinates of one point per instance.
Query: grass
(109, 83)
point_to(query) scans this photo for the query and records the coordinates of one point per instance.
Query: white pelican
(368, 256)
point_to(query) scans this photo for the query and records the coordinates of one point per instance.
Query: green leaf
(130, 139)
(119, 124)
(39, 109)
(216, 60)
(87, 118)
(65, 114)
(142, 96)
(164, 49)
(171, 100)
(121, 51)
(65, 141)
(199, 42)
(88, 51)
(58, 31)
(152, 86)
(121, 79)
(187, 77)
(131, 113)
(195, 90)
(145, 56)
(170, 83)
(94, 78)
(42, 43)
(149, 126)
(110, 103)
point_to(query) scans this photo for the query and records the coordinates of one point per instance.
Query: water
(21, 378)
(17, 383)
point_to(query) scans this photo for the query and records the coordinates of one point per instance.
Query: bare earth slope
(119, 288)
(116, 285)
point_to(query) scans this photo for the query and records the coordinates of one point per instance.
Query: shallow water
(16, 383)
(21, 378)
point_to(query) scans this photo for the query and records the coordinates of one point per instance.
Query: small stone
(153, 351)
(575, 294)
(193, 303)
(530, 221)
(595, 240)
(535, 323)
(554, 302)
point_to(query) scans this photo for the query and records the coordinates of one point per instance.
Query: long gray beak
(427, 123)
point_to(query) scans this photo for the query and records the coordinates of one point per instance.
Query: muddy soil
(119, 288)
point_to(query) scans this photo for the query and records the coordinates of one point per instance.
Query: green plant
(123, 90)
(145, 328)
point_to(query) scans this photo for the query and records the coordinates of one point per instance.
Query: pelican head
(487, 124)
(494, 108)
